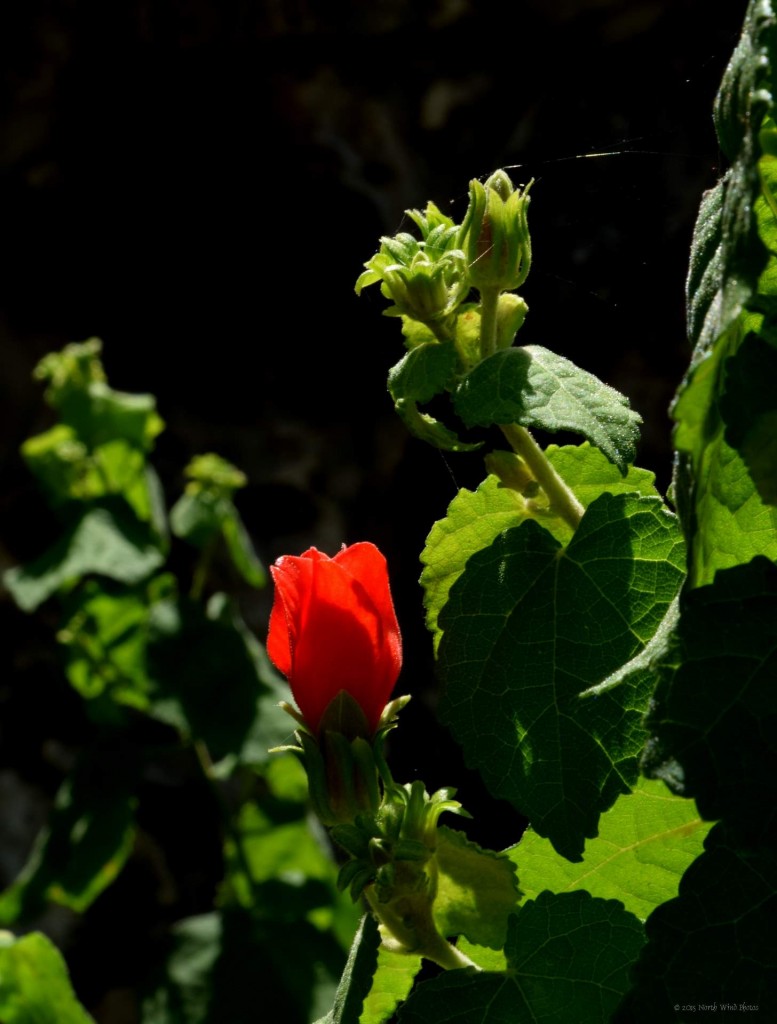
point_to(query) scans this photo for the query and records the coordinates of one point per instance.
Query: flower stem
(562, 501)
(489, 303)
(409, 920)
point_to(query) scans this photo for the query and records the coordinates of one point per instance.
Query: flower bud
(426, 290)
(495, 235)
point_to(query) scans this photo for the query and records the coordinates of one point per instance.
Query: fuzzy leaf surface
(568, 959)
(722, 483)
(529, 626)
(424, 372)
(478, 890)
(475, 518)
(535, 387)
(646, 841)
(357, 977)
(716, 941)
(716, 703)
(391, 985)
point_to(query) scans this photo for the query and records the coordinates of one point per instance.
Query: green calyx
(425, 278)
(426, 290)
(344, 762)
(396, 843)
(495, 234)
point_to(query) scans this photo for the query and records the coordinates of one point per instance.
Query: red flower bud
(333, 627)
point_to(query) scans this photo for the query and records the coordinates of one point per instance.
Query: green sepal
(354, 840)
(495, 234)
(355, 875)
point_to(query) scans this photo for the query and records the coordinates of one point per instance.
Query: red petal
(333, 627)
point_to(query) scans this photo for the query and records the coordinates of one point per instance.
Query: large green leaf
(568, 957)
(274, 860)
(713, 718)
(749, 409)
(535, 387)
(715, 943)
(475, 518)
(34, 983)
(722, 483)
(530, 626)
(646, 841)
(86, 843)
(106, 541)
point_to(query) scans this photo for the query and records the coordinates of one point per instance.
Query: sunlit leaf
(529, 626)
(34, 983)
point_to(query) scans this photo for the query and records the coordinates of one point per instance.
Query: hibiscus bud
(495, 234)
(333, 628)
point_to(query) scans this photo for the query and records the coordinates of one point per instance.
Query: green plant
(606, 661)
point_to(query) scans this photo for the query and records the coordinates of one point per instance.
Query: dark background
(198, 184)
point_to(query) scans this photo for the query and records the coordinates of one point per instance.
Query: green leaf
(424, 372)
(242, 552)
(715, 705)
(714, 943)
(85, 845)
(569, 957)
(105, 636)
(34, 983)
(475, 518)
(357, 976)
(105, 541)
(724, 515)
(203, 516)
(748, 407)
(528, 627)
(646, 841)
(729, 286)
(204, 978)
(270, 726)
(273, 859)
(391, 985)
(206, 512)
(477, 892)
(192, 655)
(100, 414)
(427, 428)
(211, 471)
(534, 387)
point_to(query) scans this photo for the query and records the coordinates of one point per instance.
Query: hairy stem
(489, 303)
(562, 501)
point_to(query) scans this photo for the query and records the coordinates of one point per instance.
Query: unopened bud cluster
(428, 279)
